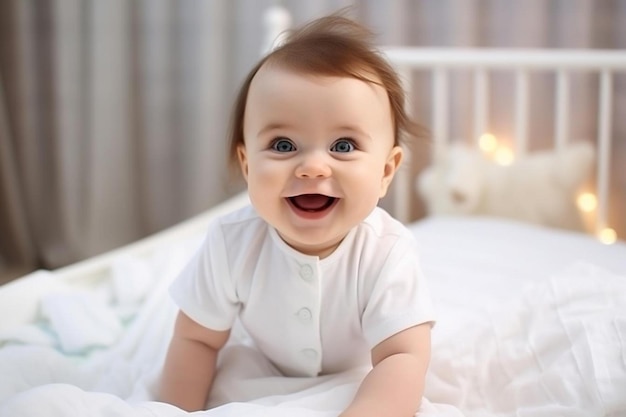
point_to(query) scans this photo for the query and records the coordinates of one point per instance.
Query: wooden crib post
(441, 131)
(561, 123)
(481, 103)
(277, 21)
(521, 112)
(604, 148)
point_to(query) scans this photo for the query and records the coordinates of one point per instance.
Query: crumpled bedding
(559, 349)
(554, 344)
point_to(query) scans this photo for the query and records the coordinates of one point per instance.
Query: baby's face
(319, 153)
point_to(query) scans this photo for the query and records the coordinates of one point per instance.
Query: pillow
(540, 187)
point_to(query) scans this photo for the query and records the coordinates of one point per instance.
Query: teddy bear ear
(455, 183)
(574, 164)
(425, 183)
(464, 187)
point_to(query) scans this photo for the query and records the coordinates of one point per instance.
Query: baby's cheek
(263, 178)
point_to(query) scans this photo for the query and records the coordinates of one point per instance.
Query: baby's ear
(243, 160)
(394, 160)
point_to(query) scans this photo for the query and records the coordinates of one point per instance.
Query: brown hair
(331, 46)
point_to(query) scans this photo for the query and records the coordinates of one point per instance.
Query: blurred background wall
(113, 113)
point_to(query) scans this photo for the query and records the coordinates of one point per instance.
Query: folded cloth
(81, 321)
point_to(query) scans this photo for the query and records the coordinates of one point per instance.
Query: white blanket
(558, 348)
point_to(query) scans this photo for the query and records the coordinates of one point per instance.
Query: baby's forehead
(279, 85)
(282, 96)
(272, 79)
(275, 71)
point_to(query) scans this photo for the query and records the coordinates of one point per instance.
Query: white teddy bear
(540, 187)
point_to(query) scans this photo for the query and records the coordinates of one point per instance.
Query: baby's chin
(321, 247)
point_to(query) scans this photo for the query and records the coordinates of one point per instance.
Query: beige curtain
(113, 113)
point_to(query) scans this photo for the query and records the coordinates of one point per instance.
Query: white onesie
(308, 316)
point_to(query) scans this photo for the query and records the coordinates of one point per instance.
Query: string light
(504, 156)
(587, 202)
(501, 155)
(488, 143)
(607, 236)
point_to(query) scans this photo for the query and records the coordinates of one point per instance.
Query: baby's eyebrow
(273, 126)
(354, 129)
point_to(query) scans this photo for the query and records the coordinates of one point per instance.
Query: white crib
(604, 65)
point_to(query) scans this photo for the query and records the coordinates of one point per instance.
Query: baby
(320, 277)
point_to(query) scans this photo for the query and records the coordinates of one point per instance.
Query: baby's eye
(283, 145)
(343, 146)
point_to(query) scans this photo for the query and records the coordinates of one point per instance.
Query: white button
(306, 272)
(310, 353)
(304, 314)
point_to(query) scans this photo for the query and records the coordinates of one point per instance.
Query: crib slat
(561, 126)
(521, 111)
(604, 147)
(440, 111)
(402, 189)
(441, 62)
(481, 102)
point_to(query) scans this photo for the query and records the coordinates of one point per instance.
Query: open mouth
(312, 203)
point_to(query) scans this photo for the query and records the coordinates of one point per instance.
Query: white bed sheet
(532, 322)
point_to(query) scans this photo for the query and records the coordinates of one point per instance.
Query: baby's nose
(313, 165)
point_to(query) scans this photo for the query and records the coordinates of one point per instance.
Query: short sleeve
(399, 297)
(204, 290)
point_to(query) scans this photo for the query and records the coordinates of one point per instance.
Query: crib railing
(441, 62)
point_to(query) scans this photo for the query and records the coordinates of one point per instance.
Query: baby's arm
(190, 364)
(394, 387)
